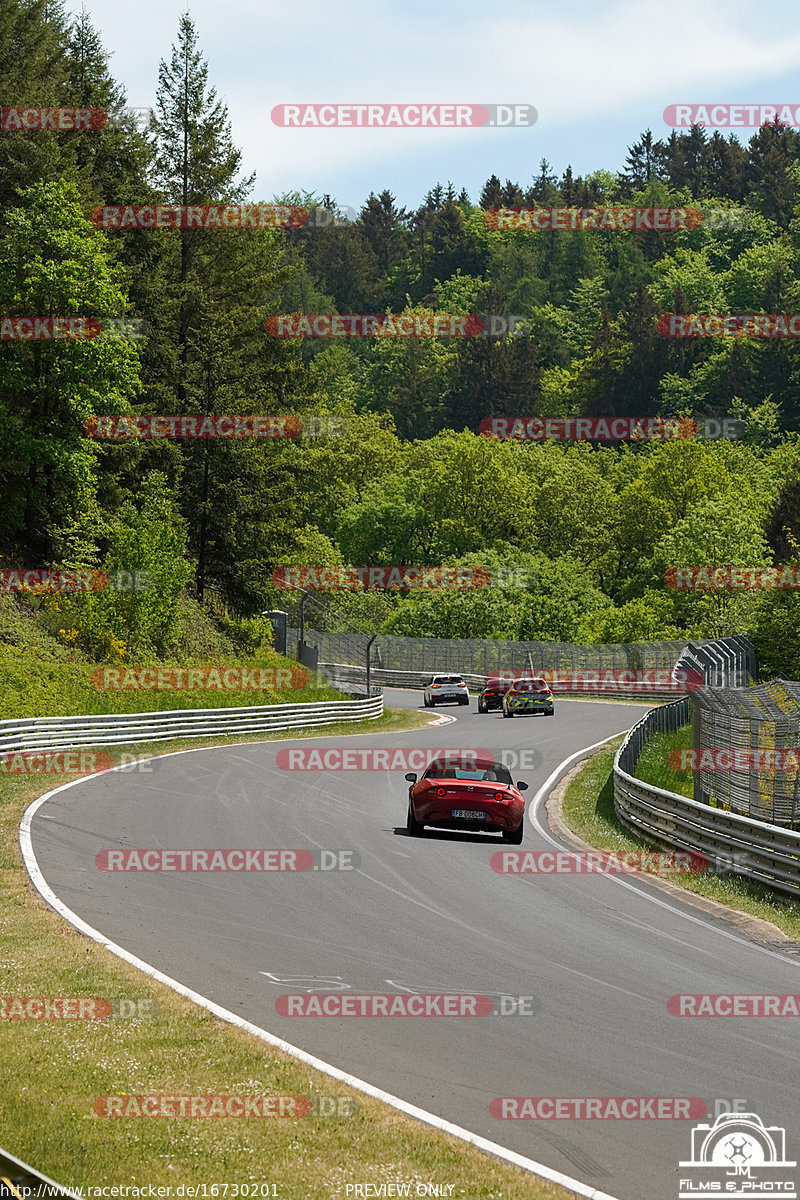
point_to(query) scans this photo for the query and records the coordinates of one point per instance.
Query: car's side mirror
(521, 786)
(411, 777)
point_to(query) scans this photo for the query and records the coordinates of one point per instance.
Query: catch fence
(763, 720)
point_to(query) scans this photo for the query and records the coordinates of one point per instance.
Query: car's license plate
(468, 814)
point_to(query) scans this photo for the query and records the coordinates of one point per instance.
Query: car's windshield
(491, 773)
(447, 679)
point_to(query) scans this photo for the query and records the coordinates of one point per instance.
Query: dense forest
(390, 467)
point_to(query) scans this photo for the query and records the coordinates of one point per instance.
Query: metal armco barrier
(121, 729)
(738, 844)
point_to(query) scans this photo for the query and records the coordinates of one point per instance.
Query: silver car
(445, 689)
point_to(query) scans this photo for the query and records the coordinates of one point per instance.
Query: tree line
(406, 477)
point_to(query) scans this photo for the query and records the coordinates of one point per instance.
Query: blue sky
(599, 74)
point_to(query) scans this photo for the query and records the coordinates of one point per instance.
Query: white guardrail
(735, 844)
(120, 729)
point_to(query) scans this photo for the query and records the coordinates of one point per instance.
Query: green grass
(53, 1071)
(42, 676)
(653, 765)
(36, 687)
(588, 810)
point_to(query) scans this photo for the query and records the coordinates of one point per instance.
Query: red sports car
(481, 797)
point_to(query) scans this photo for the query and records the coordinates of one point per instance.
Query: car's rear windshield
(496, 773)
(447, 679)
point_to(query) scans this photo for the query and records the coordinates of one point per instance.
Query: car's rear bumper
(498, 816)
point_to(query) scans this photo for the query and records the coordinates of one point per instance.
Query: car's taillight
(441, 791)
(434, 686)
(499, 795)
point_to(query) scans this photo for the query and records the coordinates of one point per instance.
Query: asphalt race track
(599, 955)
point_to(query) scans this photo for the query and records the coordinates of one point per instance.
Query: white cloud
(587, 68)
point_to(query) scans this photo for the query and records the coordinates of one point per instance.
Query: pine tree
(568, 189)
(726, 161)
(511, 196)
(544, 187)
(641, 164)
(491, 193)
(217, 273)
(113, 161)
(33, 71)
(693, 173)
(771, 152)
(382, 224)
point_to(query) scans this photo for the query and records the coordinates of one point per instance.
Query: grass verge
(52, 1071)
(588, 810)
(653, 765)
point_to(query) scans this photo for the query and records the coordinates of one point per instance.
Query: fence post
(369, 651)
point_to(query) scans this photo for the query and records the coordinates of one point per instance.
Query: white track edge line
(64, 1191)
(411, 1110)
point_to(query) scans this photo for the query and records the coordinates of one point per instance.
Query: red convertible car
(479, 798)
